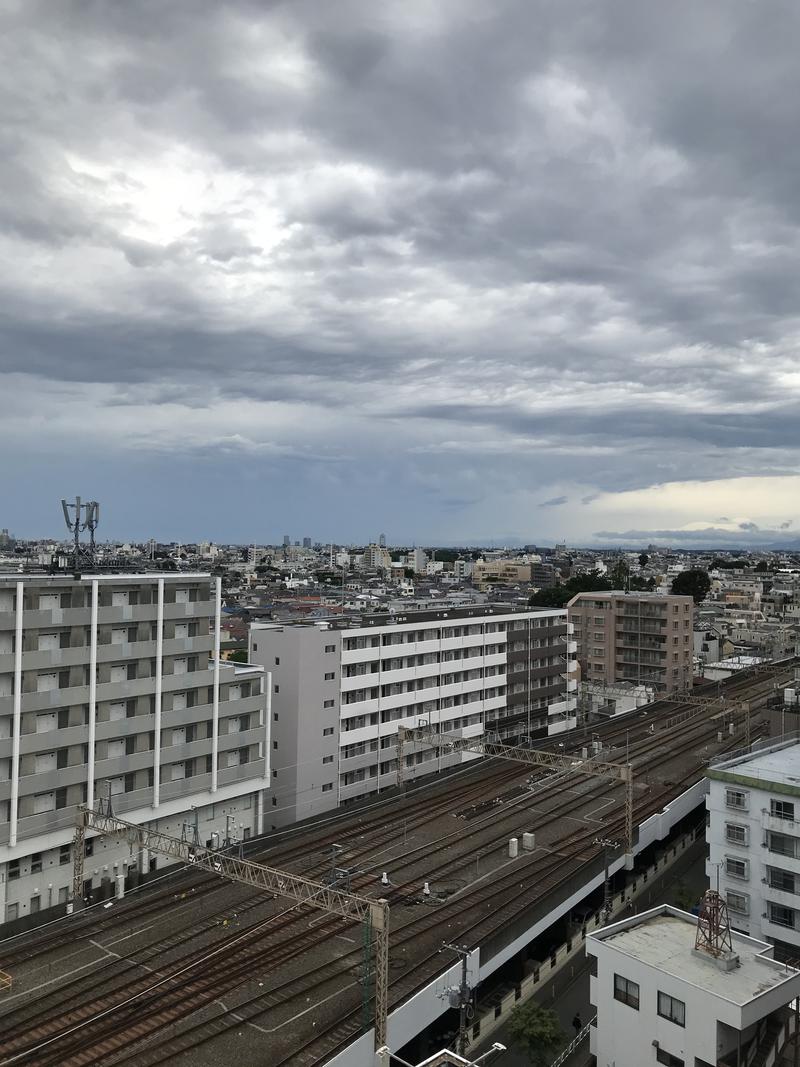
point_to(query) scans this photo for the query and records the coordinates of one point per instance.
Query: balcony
(779, 825)
(361, 655)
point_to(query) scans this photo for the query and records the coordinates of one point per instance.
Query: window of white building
(672, 1009)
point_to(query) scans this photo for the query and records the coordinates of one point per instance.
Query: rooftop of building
(445, 612)
(104, 576)
(623, 594)
(776, 763)
(664, 938)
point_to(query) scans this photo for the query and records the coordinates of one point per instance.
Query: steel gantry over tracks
(621, 772)
(373, 913)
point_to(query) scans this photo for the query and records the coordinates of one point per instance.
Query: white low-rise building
(754, 841)
(661, 1000)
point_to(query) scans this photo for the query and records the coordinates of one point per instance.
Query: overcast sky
(445, 269)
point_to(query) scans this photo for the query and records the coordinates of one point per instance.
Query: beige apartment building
(644, 638)
(500, 570)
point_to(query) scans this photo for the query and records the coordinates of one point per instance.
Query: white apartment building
(342, 688)
(660, 1000)
(753, 836)
(112, 684)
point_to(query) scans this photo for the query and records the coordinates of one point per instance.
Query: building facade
(643, 638)
(661, 1000)
(342, 688)
(112, 685)
(753, 836)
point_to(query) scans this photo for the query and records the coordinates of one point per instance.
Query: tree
(619, 574)
(239, 656)
(555, 597)
(538, 1031)
(644, 559)
(694, 583)
(763, 566)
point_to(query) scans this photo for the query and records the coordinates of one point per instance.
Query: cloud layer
(448, 269)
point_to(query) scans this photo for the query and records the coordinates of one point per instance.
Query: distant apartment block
(341, 690)
(509, 571)
(109, 687)
(643, 638)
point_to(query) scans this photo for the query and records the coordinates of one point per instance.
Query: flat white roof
(779, 763)
(664, 939)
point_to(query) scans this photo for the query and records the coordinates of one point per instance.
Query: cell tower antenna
(86, 517)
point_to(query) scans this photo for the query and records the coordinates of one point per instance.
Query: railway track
(122, 1037)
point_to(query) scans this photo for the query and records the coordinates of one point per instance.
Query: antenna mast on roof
(87, 516)
(713, 926)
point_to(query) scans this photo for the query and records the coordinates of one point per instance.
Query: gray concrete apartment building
(342, 687)
(643, 638)
(112, 684)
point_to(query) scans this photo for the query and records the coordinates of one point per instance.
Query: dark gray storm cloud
(519, 254)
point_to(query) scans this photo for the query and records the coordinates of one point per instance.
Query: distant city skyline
(460, 271)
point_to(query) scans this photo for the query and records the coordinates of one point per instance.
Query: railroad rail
(373, 913)
(555, 761)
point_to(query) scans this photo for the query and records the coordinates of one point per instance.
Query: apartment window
(275, 716)
(12, 870)
(662, 1056)
(781, 809)
(329, 676)
(327, 759)
(36, 903)
(781, 916)
(36, 863)
(328, 703)
(330, 648)
(737, 798)
(738, 902)
(64, 855)
(328, 731)
(61, 797)
(783, 880)
(327, 788)
(44, 802)
(275, 744)
(736, 868)
(277, 661)
(735, 834)
(782, 844)
(277, 689)
(626, 992)
(672, 1009)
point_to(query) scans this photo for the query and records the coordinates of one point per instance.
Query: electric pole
(464, 997)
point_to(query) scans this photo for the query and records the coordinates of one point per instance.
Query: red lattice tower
(713, 926)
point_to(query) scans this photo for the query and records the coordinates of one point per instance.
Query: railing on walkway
(565, 1054)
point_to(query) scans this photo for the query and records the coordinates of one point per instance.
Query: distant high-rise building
(306, 542)
(382, 541)
(286, 540)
